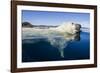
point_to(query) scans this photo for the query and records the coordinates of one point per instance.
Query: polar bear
(70, 28)
(57, 36)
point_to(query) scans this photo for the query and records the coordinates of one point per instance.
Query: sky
(55, 18)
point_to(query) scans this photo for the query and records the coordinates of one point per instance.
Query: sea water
(34, 50)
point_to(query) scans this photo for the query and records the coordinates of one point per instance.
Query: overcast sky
(55, 18)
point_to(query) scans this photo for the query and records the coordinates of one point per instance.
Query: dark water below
(43, 51)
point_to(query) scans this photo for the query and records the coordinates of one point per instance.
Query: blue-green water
(43, 51)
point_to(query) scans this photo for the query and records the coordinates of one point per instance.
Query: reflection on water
(52, 48)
